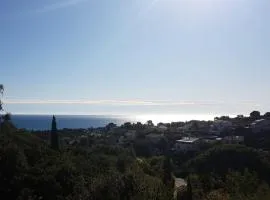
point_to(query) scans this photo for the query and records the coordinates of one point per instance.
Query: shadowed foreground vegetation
(30, 169)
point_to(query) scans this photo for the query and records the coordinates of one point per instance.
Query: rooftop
(188, 140)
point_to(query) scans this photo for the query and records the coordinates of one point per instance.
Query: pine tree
(54, 135)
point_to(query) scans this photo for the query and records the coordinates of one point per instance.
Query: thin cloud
(125, 102)
(84, 102)
(59, 5)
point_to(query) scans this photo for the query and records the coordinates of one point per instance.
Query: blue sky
(135, 57)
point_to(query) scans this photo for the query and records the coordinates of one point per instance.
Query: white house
(187, 144)
(260, 125)
(219, 126)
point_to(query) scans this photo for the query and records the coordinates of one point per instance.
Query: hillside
(30, 169)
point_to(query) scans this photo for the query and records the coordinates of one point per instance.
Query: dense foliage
(229, 172)
(30, 169)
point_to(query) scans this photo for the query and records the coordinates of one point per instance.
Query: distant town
(178, 136)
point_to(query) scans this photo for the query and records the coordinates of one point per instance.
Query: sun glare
(156, 118)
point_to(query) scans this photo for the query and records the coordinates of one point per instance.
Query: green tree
(255, 115)
(139, 125)
(235, 157)
(5, 124)
(242, 184)
(267, 115)
(54, 135)
(150, 123)
(7, 117)
(13, 165)
(127, 125)
(110, 126)
(121, 164)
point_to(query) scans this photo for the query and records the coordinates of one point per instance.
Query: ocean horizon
(43, 122)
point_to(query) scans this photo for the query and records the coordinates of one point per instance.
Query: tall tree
(54, 135)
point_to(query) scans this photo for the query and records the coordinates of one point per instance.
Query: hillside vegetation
(30, 169)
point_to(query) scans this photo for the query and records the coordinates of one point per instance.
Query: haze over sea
(43, 122)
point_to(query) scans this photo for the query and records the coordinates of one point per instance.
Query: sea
(43, 122)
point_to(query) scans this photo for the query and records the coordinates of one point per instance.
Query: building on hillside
(187, 144)
(220, 126)
(260, 125)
